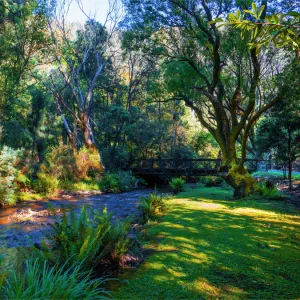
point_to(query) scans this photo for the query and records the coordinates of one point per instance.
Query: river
(16, 230)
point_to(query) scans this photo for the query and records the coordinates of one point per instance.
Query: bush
(45, 282)
(177, 184)
(88, 239)
(65, 165)
(88, 163)
(152, 205)
(118, 182)
(110, 183)
(8, 173)
(127, 181)
(267, 191)
(46, 183)
(212, 181)
(209, 181)
(61, 163)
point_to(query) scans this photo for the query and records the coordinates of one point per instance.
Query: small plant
(267, 191)
(177, 185)
(88, 239)
(152, 205)
(209, 181)
(45, 282)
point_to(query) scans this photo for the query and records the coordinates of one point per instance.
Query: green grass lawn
(209, 246)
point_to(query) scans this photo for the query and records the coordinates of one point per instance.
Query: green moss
(209, 246)
(241, 180)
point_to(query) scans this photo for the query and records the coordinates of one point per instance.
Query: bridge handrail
(195, 159)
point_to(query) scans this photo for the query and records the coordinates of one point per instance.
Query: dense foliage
(174, 79)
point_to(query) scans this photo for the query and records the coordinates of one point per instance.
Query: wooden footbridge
(189, 167)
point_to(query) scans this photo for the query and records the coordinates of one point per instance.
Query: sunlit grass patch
(212, 246)
(27, 196)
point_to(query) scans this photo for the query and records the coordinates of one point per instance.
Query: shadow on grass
(215, 248)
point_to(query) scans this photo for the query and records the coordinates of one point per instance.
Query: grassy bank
(211, 246)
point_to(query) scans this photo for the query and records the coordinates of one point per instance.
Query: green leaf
(275, 19)
(293, 14)
(260, 11)
(258, 49)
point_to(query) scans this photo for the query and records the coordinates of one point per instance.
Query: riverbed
(18, 232)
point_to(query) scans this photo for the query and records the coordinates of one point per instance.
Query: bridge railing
(186, 166)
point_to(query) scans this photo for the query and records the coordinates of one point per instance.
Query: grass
(84, 185)
(209, 246)
(29, 196)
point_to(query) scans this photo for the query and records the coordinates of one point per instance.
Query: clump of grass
(177, 185)
(84, 185)
(28, 196)
(45, 282)
(152, 205)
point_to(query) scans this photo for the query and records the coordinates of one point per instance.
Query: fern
(86, 240)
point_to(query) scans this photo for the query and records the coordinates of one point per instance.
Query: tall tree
(280, 131)
(80, 63)
(216, 73)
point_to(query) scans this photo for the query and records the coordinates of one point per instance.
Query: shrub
(110, 183)
(45, 282)
(118, 182)
(127, 181)
(209, 181)
(8, 173)
(86, 240)
(61, 163)
(46, 183)
(88, 163)
(152, 205)
(177, 184)
(212, 181)
(267, 191)
(65, 165)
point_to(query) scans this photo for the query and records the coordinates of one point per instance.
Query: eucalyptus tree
(211, 69)
(79, 57)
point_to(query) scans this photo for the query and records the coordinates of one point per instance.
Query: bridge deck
(187, 167)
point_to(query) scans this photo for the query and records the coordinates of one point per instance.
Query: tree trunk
(90, 143)
(235, 174)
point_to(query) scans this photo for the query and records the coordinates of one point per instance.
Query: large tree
(213, 71)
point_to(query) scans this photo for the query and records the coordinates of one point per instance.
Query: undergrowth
(51, 282)
(152, 205)
(90, 239)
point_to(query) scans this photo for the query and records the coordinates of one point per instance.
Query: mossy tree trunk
(234, 172)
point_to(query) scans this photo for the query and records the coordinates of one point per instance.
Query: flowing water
(17, 229)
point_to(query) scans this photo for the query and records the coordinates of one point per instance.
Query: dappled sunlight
(226, 249)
